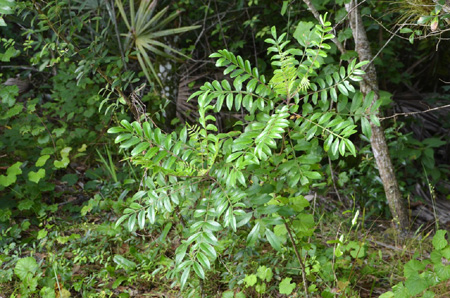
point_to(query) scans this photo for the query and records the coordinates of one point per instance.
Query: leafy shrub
(426, 277)
(38, 148)
(255, 178)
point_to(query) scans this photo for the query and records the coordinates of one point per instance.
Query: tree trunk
(378, 140)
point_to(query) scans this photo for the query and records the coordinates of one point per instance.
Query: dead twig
(415, 113)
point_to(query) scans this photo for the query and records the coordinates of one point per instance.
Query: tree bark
(378, 140)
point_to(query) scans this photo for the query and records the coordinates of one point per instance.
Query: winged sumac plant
(252, 179)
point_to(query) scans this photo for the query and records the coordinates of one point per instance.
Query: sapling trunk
(378, 141)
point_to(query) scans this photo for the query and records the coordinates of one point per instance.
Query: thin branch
(316, 14)
(203, 28)
(112, 14)
(253, 40)
(432, 34)
(386, 29)
(356, 6)
(385, 44)
(334, 181)
(299, 258)
(415, 113)
(417, 63)
(221, 26)
(19, 67)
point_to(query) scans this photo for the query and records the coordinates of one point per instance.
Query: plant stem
(180, 217)
(299, 258)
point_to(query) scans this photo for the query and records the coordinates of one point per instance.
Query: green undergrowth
(88, 256)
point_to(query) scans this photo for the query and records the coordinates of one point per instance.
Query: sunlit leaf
(273, 240)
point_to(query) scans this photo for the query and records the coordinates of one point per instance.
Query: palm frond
(157, 51)
(123, 14)
(152, 21)
(145, 62)
(168, 32)
(144, 27)
(166, 20)
(144, 13)
(168, 48)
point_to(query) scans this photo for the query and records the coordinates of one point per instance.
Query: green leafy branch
(225, 181)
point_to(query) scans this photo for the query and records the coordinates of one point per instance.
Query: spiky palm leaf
(144, 28)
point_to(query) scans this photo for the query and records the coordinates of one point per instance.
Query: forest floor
(92, 258)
